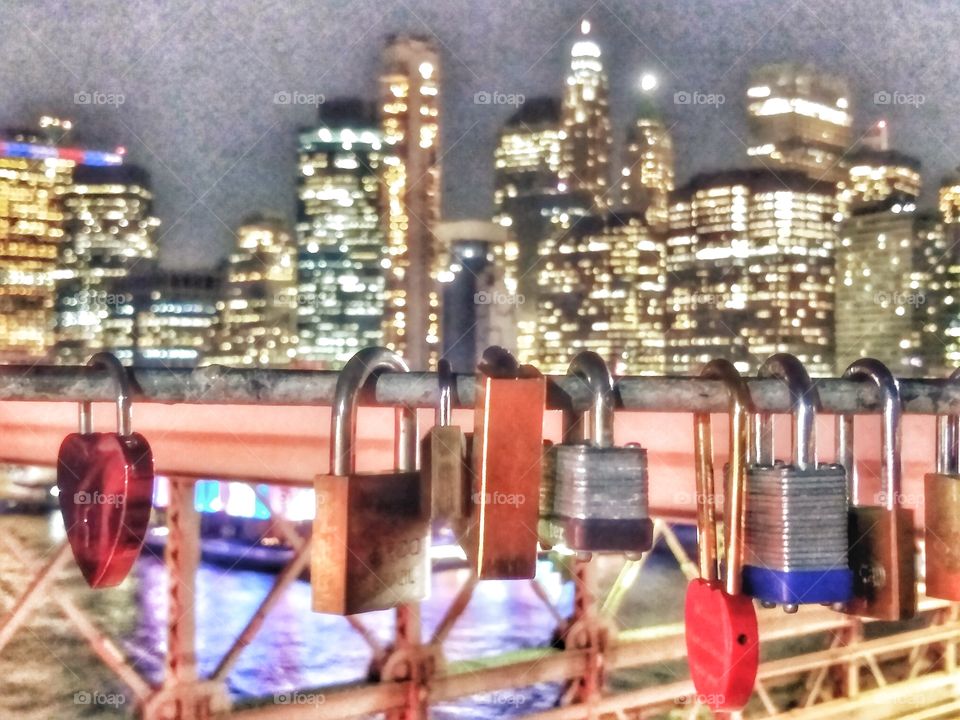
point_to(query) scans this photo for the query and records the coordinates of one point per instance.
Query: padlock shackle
(804, 399)
(590, 368)
(891, 472)
(352, 380)
(948, 439)
(110, 363)
(741, 409)
(447, 382)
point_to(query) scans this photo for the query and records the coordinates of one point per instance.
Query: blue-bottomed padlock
(796, 522)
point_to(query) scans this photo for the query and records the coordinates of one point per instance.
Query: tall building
(175, 314)
(949, 199)
(872, 176)
(34, 168)
(890, 302)
(585, 160)
(479, 291)
(257, 322)
(750, 270)
(646, 178)
(340, 235)
(410, 118)
(528, 154)
(601, 287)
(799, 118)
(109, 231)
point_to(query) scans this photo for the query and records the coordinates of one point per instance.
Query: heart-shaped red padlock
(723, 648)
(723, 640)
(105, 481)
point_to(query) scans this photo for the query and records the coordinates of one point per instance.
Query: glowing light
(648, 82)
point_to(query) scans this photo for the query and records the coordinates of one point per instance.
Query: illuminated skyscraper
(949, 199)
(799, 118)
(258, 313)
(410, 117)
(891, 304)
(478, 289)
(34, 169)
(750, 270)
(340, 235)
(527, 159)
(601, 287)
(646, 179)
(874, 175)
(585, 160)
(109, 231)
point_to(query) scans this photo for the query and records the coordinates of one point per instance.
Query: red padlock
(723, 643)
(106, 488)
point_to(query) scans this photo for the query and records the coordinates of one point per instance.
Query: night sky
(198, 81)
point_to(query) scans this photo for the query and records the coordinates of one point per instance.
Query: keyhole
(742, 639)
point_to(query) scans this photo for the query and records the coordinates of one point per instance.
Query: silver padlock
(796, 522)
(600, 498)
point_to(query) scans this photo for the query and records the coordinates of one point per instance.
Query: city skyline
(216, 147)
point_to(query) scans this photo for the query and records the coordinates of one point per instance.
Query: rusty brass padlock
(942, 507)
(507, 461)
(445, 461)
(370, 544)
(881, 537)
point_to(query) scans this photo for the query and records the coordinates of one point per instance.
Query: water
(48, 671)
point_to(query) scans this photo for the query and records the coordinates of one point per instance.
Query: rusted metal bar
(245, 386)
(33, 595)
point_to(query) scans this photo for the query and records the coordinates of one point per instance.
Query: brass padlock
(445, 461)
(370, 544)
(507, 462)
(942, 508)
(881, 537)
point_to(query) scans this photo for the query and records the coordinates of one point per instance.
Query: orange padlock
(507, 465)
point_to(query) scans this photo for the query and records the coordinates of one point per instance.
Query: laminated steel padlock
(445, 461)
(507, 463)
(882, 554)
(105, 484)
(600, 495)
(796, 525)
(723, 644)
(942, 508)
(371, 533)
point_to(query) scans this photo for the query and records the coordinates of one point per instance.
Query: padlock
(796, 524)
(445, 461)
(370, 543)
(882, 556)
(600, 498)
(507, 461)
(722, 636)
(942, 508)
(105, 484)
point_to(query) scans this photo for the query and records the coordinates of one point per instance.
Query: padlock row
(791, 533)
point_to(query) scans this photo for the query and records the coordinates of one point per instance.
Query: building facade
(410, 122)
(646, 178)
(340, 235)
(750, 270)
